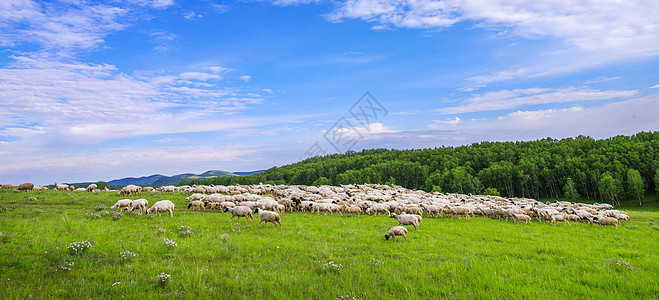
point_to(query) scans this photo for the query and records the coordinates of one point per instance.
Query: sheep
(122, 203)
(522, 218)
(240, 211)
(354, 210)
(268, 216)
(140, 204)
(606, 221)
(60, 187)
(197, 203)
(460, 210)
(194, 197)
(406, 219)
(25, 186)
(559, 217)
(394, 231)
(92, 188)
(129, 190)
(162, 206)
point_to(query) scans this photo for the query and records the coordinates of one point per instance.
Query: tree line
(611, 169)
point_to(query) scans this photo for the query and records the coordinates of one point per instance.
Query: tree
(322, 181)
(609, 188)
(491, 192)
(656, 181)
(635, 185)
(570, 190)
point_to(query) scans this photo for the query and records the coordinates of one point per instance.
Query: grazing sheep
(606, 221)
(122, 203)
(406, 219)
(194, 197)
(26, 186)
(61, 186)
(162, 206)
(559, 217)
(461, 211)
(130, 190)
(394, 231)
(522, 218)
(353, 210)
(140, 204)
(197, 203)
(268, 216)
(240, 211)
(92, 188)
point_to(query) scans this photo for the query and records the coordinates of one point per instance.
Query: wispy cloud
(511, 99)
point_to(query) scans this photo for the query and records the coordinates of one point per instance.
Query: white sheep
(194, 197)
(140, 204)
(240, 211)
(268, 216)
(394, 231)
(406, 219)
(162, 206)
(197, 203)
(559, 217)
(122, 203)
(92, 188)
(61, 186)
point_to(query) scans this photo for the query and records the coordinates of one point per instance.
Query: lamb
(394, 231)
(92, 188)
(354, 210)
(197, 203)
(406, 219)
(606, 221)
(240, 211)
(140, 204)
(162, 206)
(25, 186)
(268, 216)
(522, 218)
(122, 203)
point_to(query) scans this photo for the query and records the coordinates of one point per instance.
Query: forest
(607, 170)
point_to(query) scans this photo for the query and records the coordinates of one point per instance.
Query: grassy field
(327, 257)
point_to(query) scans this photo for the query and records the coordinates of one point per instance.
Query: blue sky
(94, 90)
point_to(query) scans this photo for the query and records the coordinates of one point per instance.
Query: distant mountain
(248, 173)
(160, 180)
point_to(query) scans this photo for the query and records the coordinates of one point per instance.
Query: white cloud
(510, 99)
(163, 40)
(58, 26)
(655, 86)
(171, 140)
(192, 15)
(269, 91)
(198, 76)
(245, 78)
(436, 124)
(593, 32)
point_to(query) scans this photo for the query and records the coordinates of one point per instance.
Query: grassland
(448, 258)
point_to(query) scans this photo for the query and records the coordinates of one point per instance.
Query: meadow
(205, 254)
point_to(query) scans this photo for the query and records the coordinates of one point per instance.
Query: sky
(100, 90)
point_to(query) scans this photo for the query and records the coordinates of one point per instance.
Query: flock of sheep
(406, 206)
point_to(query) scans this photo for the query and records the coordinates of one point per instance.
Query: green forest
(607, 170)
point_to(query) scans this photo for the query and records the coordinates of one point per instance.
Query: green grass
(448, 258)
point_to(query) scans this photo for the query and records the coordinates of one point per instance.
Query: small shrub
(4, 238)
(79, 247)
(100, 207)
(330, 267)
(163, 279)
(184, 231)
(170, 243)
(127, 256)
(66, 266)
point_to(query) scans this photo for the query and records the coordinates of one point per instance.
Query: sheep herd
(406, 206)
